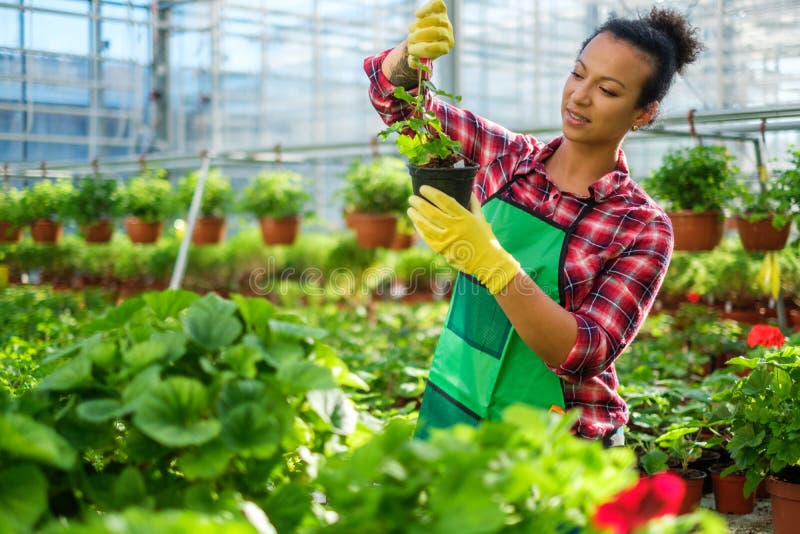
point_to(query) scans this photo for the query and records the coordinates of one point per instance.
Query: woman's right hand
(431, 34)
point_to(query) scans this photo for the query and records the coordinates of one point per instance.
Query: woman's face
(599, 103)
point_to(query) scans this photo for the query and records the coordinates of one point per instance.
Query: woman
(561, 254)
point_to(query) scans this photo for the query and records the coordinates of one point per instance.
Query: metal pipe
(180, 263)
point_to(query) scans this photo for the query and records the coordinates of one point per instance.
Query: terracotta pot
(46, 231)
(402, 241)
(794, 315)
(419, 295)
(142, 232)
(729, 493)
(10, 233)
(761, 235)
(785, 499)
(693, 480)
(280, 231)
(98, 231)
(208, 230)
(704, 463)
(761, 489)
(696, 231)
(374, 230)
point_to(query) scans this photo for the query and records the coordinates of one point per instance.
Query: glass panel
(122, 40)
(58, 94)
(73, 6)
(10, 63)
(10, 91)
(9, 21)
(56, 151)
(58, 68)
(10, 151)
(66, 34)
(59, 124)
(11, 121)
(136, 11)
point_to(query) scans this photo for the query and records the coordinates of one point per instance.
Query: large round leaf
(100, 410)
(248, 428)
(71, 375)
(23, 496)
(210, 322)
(22, 437)
(173, 414)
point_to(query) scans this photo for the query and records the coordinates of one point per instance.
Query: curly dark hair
(666, 37)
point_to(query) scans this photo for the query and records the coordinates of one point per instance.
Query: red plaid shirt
(616, 257)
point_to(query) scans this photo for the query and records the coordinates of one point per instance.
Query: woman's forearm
(395, 68)
(547, 328)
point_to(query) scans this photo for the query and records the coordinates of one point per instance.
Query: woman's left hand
(464, 237)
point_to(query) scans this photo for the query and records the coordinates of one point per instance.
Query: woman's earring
(635, 127)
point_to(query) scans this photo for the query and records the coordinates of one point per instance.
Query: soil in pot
(282, 231)
(693, 480)
(208, 230)
(46, 231)
(454, 181)
(10, 233)
(98, 232)
(696, 231)
(729, 492)
(373, 230)
(761, 235)
(140, 231)
(785, 499)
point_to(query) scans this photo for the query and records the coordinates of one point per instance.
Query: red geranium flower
(651, 497)
(693, 297)
(762, 335)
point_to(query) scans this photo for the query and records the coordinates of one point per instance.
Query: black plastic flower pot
(454, 181)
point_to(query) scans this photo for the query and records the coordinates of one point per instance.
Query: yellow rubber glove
(464, 237)
(431, 34)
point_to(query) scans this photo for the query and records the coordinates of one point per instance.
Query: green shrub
(97, 198)
(275, 194)
(217, 193)
(381, 186)
(149, 196)
(48, 199)
(11, 206)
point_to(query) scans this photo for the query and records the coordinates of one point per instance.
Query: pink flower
(652, 497)
(762, 335)
(693, 297)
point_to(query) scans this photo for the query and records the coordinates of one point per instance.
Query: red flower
(651, 497)
(762, 335)
(693, 297)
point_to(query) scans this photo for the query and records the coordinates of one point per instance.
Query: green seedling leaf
(208, 461)
(100, 410)
(210, 322)
(118, 316)
(174, 342)
(249, 428)
(256, 314)
(23, 496)
(296, 331)
(141, 386)
(243, 359)
(306, 376)
(71, 375)
(333, 407)
(129, 489)
(22, 437)
(174, 413)
(326, 357)
(169, 303)
(145, 353)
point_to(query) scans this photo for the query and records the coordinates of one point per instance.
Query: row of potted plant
(697, 185)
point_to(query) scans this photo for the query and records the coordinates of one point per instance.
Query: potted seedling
(682, 444)
(209, 228)
(374, 194)
(147, 200)
(45, 206)
(764, 419)
(694, 184)
(10, 215)
(433, 157)
(277, 199)
(97, 203)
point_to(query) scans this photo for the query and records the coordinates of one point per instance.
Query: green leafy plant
(275, 194)
(48, 199)
(763, 415)
(681, 441)
(217, 192)
(420, 137)
(421, 268)
(11, 206)
(173, 400)
(149, 196)
(97, 198)
(380, 186)
(700, 178)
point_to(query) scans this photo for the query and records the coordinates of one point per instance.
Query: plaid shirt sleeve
(622, 295)
(482, 141)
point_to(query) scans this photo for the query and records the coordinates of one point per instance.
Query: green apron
(481, 365)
